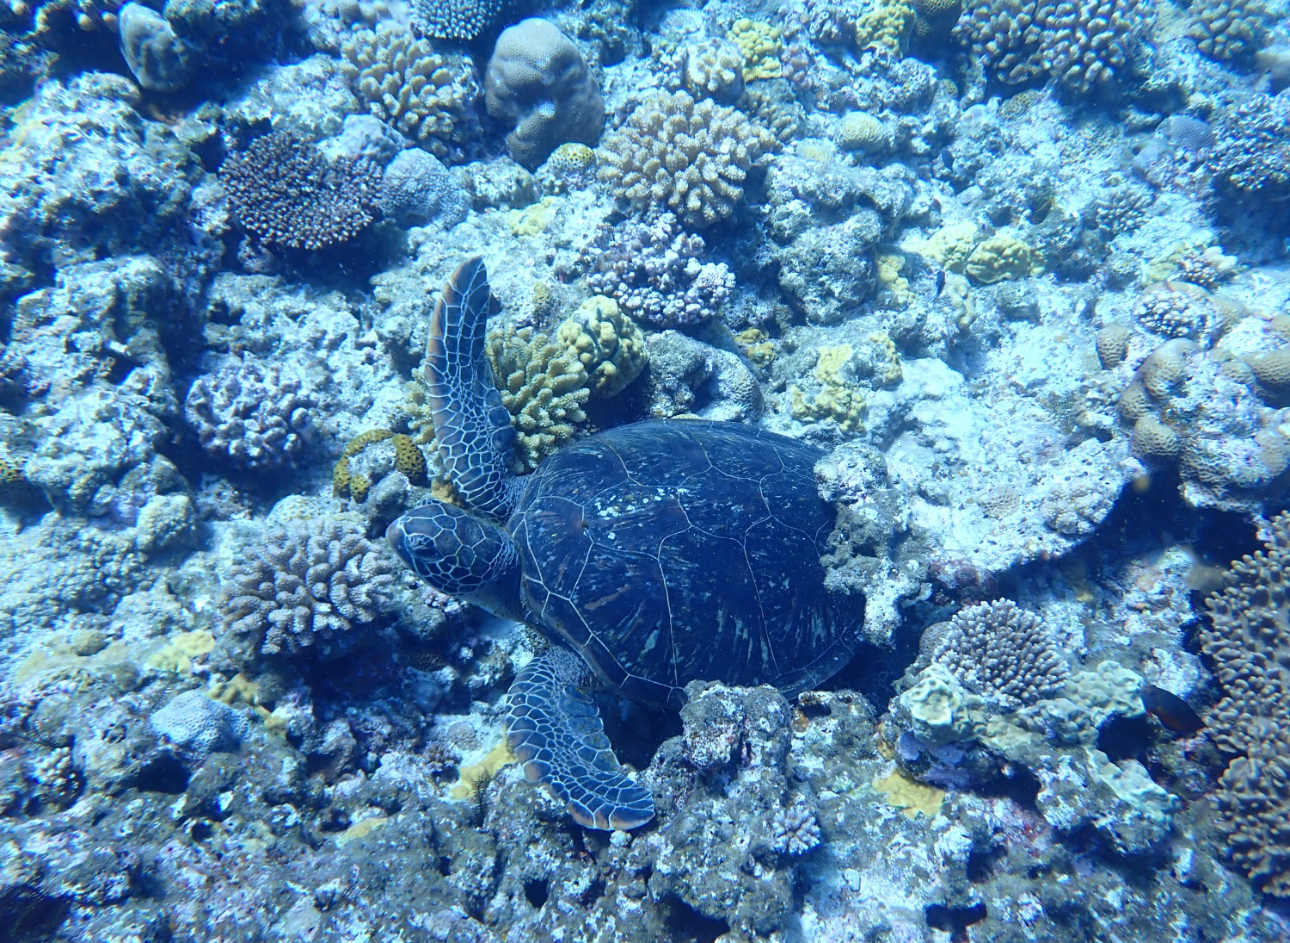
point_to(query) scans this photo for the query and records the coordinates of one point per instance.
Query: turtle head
(461, 555)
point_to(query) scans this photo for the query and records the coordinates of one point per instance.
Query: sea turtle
(659, 552)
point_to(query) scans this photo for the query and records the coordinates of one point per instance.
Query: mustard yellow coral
(609, 345)
(886, 26)
(1002, 257)
(760, 45)
(543, 386)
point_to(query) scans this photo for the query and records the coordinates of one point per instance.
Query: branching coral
(1083, 45)
(1249, 645)
(685, 156)
(306, 584)
(543, 386)
(284, 191)
(1003, 653)
(429, 96)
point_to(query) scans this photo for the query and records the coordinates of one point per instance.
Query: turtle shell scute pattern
(668, 552)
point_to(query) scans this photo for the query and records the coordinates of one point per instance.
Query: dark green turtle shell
(672, 551)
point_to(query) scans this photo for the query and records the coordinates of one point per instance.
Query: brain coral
(537, 84)
(429, 96)
(1248, 644)
(306, 584)
(281, 189)
(688, 157)
(1081, 43)
(1003, 653)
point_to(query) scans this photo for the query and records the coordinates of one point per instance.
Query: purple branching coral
(655, 272)
(250, 413)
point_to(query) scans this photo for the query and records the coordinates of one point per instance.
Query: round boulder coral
(538, 83)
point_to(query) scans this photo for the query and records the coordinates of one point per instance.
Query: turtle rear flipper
(554, 728)
(472, 428)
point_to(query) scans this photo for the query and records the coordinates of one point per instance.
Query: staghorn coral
(1248, 644)
(1228, 29)
(307, 583)
(1003, 653)
(429, 96)
(538, 85)
(1082, 45)
(251, 413)
(655, 272)
(282, 190)
(543, 386)
(692, 158)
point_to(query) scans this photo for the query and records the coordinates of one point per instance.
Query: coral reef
(306, 586)
(692, 158)
(429, 96)
(281, 190)
(537, 84)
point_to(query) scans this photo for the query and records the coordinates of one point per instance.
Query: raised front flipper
(472, 429)
(555, 730)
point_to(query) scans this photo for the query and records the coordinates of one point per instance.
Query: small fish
(947, 158)
(1171, 710)
(940, 284)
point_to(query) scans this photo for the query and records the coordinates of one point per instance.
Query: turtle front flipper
(472, 428)
(554, 728)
